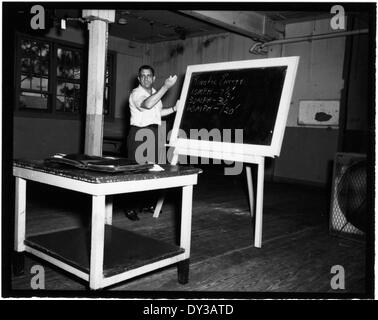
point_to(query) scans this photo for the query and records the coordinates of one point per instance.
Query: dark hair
(146, 67)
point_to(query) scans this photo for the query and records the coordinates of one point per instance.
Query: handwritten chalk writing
(200, 108)
(246, 99)
(213, 94)
(230, 110)
(220, 100)
(231, 82)
(200, 100)
(206, 82)
(202, 91)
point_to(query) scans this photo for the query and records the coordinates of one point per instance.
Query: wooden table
(113, 254)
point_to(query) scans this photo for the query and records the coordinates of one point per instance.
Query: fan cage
(338, 224)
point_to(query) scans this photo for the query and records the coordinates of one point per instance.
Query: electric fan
(348, 215)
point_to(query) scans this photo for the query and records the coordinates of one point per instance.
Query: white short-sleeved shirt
(143, 117)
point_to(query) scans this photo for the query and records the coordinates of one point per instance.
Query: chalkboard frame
(236, 151)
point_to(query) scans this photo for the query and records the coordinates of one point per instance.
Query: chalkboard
(252, 97)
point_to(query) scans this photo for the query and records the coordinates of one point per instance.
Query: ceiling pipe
(259, 46)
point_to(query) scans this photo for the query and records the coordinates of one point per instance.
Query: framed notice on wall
(319, 113)
(234, 109)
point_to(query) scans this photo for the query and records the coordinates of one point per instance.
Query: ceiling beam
(248, 23)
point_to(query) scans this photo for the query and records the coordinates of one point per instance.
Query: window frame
(81, 82)
(113, 82)
(51, 111)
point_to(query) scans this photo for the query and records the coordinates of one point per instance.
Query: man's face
(146, 79)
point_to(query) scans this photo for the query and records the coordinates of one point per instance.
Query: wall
(307, 152)
(173, 57)
(38, 138)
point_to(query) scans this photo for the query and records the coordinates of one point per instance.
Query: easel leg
(259, 204)
(160, 201)
(250, 190)
(109, 210)
(158, 206)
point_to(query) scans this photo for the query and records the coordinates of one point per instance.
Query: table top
(103, 177)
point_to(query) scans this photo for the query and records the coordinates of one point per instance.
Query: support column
(98, 36)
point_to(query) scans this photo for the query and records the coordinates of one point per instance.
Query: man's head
(146, 76)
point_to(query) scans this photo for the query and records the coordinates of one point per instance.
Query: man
(146, 110)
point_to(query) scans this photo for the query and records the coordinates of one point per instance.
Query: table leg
(18, 263)
(19, 227)
(185, 232)
(183, 271)
(259, 204)
(97, 242)
(20, 219)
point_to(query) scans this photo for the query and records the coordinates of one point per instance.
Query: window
(34, 75)
(68, 67)
(49, 77)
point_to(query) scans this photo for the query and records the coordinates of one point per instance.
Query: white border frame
(237, 151)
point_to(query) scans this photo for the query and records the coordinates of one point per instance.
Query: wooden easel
(256, 206)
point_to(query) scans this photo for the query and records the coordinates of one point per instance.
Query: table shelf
(123, 250)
